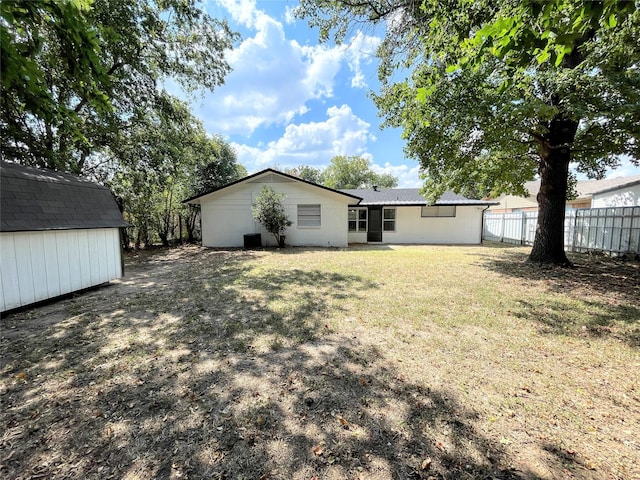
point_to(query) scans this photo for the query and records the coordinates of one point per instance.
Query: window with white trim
(389, 219)
(439, 211)
(357, 219)
(309, 215)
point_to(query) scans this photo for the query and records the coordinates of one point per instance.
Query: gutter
(482, 222)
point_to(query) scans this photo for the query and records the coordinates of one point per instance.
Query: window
(439, 211)
(389, 219)
(357, 219)
(309, 215)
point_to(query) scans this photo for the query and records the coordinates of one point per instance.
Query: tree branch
(85, 99)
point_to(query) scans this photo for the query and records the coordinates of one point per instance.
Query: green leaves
(165, 158)
(270, 212)
(74, 72)
(355, 172)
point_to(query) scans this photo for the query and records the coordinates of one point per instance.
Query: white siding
(464, 228)
(226, 215)
(357, 237)
(625, 197)
(35, 266)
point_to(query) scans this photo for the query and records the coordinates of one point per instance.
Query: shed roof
(38, 199)
(408, 196)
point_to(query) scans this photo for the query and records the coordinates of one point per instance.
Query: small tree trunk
(555, 156)
(191, 224)
(163, 239)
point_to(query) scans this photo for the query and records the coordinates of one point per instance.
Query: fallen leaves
(343, 422)
(426, 464)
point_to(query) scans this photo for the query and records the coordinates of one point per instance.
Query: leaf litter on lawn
(408, 362)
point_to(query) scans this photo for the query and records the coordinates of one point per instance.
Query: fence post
(633, 211)
(575, 228)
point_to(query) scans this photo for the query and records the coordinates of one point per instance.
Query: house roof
(38, 199)
(588, 188)
(196, 199)
(409, 196)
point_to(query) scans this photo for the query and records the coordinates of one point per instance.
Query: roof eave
(261, 172)
(421, 204)
(611, 189)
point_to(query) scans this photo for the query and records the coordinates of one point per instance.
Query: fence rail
(612, 230)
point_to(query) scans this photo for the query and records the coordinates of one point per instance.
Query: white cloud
(289, 15)
(316, 143)
(243, 12)
(273, 77)
(313, 143)
(408, 176)
(361, 51)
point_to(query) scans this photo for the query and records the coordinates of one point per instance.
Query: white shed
(58, 234)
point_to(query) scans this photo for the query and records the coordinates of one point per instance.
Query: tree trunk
(191, 224)
(555, 156)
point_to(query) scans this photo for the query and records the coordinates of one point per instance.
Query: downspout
(121, 236)
(482, 223)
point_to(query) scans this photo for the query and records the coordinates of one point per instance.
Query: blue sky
(291, 101)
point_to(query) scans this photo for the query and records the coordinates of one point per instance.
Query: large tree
(355, 172)
(166, 158)
(305, 172)
(76, 74)
(498, 92)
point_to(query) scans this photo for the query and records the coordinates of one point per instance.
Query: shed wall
(227, 217)
(38, 265)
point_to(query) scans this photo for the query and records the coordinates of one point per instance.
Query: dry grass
(376, 363)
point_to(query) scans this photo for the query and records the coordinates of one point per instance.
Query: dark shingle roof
(38, 199)
(408, 196)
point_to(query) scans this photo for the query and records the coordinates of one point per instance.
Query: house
(402, 215)
(324, 216)
(610, 192)
(620, 192)
(58, 234)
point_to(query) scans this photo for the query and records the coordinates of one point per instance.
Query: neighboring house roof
(38, 199)
(409, 196)
(587, 188)
(630, 183)
(268, 171)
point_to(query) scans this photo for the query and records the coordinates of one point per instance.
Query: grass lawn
(362, 363)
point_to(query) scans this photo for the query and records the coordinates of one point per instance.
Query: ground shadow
(202, 364)
(604, 290)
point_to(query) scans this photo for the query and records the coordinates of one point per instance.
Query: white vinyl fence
(611, 230)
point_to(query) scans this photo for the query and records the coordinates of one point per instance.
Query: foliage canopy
(345, 172)
(497, 92)
(75, 74)
(81, 91)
